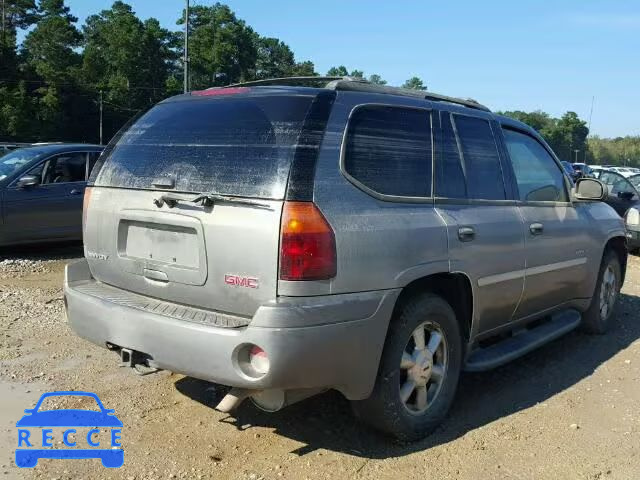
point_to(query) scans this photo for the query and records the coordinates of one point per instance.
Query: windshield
(239, 146)
(635, 181)
(12, 162)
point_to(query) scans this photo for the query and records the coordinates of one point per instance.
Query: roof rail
(302, 81)
(355, 84)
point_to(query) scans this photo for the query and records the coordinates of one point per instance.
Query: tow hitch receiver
(138, 361)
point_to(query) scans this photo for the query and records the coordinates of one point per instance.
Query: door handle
(77, 191)
(536, 228)
(466, 234)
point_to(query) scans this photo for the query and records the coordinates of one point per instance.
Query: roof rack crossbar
(355, 84)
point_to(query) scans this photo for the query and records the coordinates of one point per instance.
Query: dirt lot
(569, 410)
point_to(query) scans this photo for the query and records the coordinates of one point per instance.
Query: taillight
(307, 243)
(85, 206)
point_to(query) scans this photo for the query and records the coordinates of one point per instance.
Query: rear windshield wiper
(206, 200)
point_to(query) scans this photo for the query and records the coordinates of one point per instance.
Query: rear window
(235, 145)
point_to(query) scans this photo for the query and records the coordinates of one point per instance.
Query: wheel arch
(618, 245)
(454, 287)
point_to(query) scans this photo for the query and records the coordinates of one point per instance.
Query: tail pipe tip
(233, 399)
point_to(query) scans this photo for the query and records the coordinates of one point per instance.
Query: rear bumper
(332, 341)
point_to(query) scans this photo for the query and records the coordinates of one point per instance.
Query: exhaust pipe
(267, 400)
(233, 399)
(276, 399)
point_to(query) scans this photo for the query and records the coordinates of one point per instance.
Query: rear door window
(480, 157)
(388, 150)
(237, 145)
(450, 181)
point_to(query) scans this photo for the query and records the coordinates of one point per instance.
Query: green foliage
(342, 71)
(615, 151)
(377, 79)
(51, 83)
(414, 83)
(564, 135)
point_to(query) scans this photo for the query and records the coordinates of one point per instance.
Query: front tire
(598, 317)
(419, 370)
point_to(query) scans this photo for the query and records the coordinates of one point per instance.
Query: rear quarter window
(388, 150)
(240, 145)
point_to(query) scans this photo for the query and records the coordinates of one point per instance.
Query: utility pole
(576, 151)
(186, 48)
(101, 118)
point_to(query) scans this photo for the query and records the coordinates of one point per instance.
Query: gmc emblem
(239, 281)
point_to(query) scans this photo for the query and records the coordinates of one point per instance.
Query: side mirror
(28, 181)
(590, 189)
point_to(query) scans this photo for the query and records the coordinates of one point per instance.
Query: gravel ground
(568, 411)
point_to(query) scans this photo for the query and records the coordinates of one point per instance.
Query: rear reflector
(258, 360)
(307, 243)
(211, 92)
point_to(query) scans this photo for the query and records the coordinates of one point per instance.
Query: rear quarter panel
(380, 244)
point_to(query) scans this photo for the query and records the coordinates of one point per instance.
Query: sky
(509, 55)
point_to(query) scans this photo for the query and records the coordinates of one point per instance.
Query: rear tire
(419, 370)
(597, 318)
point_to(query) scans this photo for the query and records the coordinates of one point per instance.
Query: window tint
(480, 157)
(65, 168)
(388, 149)
(538, 176)
(238, 145)
(616, 183)
(450, 182)
(93, 158)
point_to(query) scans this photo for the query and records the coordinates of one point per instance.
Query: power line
(62, 84)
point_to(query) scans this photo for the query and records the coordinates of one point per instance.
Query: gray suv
(284, 240)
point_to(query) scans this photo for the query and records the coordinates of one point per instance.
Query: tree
(15, 15)
(50, 54)
(414, 83)
(303, 69)
(130, 60)
(274, 58)
(567, 135)
(340, 71)
(377, 79)
(222, 48)
(537, 119)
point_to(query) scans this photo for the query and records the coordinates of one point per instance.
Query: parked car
(597, 170)
(284, 240)
(624, 197)
(624, 171)
(582, 169)
(41, 191)
(571, 172)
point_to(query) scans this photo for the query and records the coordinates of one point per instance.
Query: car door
(52, 209)
(483, 222)
(556, 233)
(622, 195)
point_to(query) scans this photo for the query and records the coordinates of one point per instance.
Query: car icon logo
(34, 444)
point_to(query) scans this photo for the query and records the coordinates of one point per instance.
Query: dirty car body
(254, 237)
